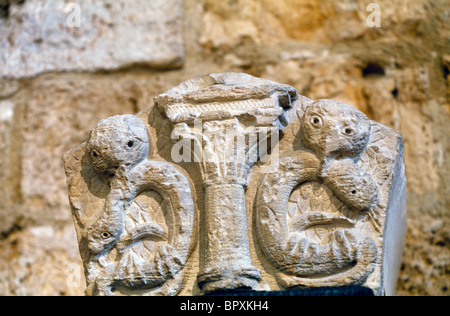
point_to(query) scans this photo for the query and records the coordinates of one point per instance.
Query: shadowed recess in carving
(5, 7)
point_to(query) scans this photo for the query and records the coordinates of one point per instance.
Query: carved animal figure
(115, 146)
(118, 148)
(337, 134)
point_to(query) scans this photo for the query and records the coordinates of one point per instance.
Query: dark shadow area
(373, 69)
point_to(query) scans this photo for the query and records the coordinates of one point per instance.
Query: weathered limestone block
(263, 189)
(54, 35)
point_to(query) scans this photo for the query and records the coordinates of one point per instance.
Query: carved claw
(167, 260)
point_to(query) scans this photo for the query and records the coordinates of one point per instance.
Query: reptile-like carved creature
(338, 134)
(335, 135)
(118, 148)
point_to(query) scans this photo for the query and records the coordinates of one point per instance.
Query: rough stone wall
(57, 82)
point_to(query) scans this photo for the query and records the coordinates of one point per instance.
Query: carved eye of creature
(95, 154)
(316, 121)
(348, 131)
(131, 143)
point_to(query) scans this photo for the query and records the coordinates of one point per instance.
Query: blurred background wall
(64, 65)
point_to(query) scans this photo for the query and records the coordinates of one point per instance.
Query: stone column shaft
(226, 253)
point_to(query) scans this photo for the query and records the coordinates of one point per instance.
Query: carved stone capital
(238, 113)
(284, 192)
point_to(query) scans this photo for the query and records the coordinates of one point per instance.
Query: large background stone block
(88, 35)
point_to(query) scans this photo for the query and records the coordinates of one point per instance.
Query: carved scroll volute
(233, 109)
(134, 217)
(320, 218)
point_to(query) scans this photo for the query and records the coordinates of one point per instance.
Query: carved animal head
(118, 141)
(102, 237)
(335, 130)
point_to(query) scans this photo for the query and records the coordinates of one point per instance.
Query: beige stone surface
(43, 36)
(396, 74)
